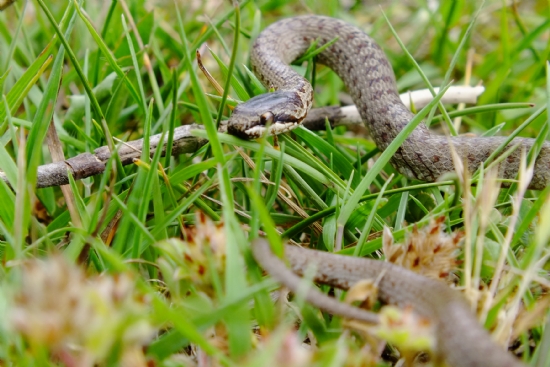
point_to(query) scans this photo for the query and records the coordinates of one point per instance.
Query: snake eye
(266, 118)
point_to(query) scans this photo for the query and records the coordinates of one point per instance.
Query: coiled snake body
(369, 77)
(362, 65)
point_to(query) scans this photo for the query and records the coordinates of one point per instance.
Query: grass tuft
(150, 264)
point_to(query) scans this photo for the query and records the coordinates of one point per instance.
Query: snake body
(367, 74)
(461, 341)
(370, 80)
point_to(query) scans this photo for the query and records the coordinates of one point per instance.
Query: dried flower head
(406, 330)
(429, 251)
(76, 317)
(364, 291)
(189, 263)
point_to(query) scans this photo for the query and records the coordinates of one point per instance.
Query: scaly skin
(461, 341)
(363, 67)
(369, 77)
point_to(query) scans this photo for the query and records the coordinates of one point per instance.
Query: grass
(150, 263)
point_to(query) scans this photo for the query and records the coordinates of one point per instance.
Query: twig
(88, 164)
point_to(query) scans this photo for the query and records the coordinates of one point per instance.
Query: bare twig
(91, 164)
(88, 164)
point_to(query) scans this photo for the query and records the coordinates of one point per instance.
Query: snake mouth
(257, 128)
(267, 114)
(268, 124)
(258, 131)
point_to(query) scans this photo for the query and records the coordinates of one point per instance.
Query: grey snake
(370, 80)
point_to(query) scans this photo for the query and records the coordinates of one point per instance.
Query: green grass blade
(111, 60)
(79, 70)
(270, 152)
(135, 64)
(22, 87)
(205, 113)
(237, 86)
(385, 157)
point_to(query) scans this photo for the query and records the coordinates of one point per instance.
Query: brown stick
(88, 164)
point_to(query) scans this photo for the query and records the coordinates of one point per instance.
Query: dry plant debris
(429, 251)
(79, 319)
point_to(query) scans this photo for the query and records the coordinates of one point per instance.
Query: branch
(349, 115)
(88, 164)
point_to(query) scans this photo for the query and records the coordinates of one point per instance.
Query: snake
(366, 72)
(460, 340)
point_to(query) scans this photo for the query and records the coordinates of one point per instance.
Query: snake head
(267, 114)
